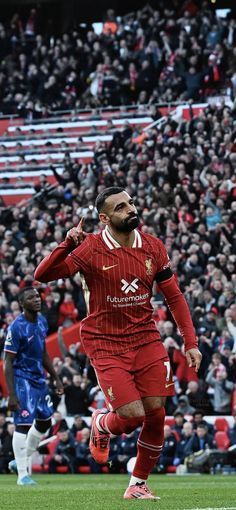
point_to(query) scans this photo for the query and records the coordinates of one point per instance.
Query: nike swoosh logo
(170, 384)
(105, 268)
(30, 338)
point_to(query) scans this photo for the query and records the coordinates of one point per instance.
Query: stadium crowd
(175, 52)
(182, 175)
(183, 180)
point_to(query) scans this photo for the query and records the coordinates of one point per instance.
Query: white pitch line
(215, 508)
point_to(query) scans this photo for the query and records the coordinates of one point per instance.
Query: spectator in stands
(198, 417)
(168, 451)
(179, 422)
(82, 453)
(77, 425)
(58, 423)
(183, 372)
(193, 158)
(127, 448)
(6, 450)
(68, 368)
(64, 454)
(74, 351)
(184, 406)
(182, 445)
(230, 317)
(200, 440)
(222, 395)
(76, 398)
(197, 397)
(68, 313)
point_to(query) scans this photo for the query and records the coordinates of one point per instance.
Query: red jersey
(120, 282)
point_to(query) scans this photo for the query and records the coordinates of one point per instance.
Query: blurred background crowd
(182, 175)
(173, 51)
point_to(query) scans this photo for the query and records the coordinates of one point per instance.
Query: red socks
(115, 424)
(150, 443)
(150, 439)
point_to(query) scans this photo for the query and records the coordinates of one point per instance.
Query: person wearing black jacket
(6, 450)
(201, 440)
(76, 399)
(64, 454)
(169, 450)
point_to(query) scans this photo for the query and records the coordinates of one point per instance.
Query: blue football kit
(27, 340)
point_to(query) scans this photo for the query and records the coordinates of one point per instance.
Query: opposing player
(119, 335)
(25, 361)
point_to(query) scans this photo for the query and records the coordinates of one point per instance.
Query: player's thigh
(27, 398)
(44, 404)
(153, 375)
(117, 383)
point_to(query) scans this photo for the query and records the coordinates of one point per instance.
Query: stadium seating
(169, 420)
(26, 155)
(221, 424)
(222, 440)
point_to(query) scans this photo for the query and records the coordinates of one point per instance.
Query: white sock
(134, 480)
(99, 426)
(33, 439)
(19, 449)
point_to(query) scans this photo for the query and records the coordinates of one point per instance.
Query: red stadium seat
(38, 468)
(171, 469)
(222, 440)
(169, 421)
(62, 469)
(221, 424)
(84, 469)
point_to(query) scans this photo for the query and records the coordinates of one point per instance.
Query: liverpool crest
(148, 264)
(111, 394)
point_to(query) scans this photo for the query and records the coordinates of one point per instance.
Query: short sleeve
(12, 339)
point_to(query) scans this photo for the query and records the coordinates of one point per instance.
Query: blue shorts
(35, 402)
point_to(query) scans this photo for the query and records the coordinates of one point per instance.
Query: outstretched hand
(194, 358)
(77, 234)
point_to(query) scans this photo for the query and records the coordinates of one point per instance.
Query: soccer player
(25, 361)
(119, 335)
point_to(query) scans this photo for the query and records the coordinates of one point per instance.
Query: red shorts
(136, 374)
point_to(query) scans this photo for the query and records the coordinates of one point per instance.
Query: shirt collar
(112, 243)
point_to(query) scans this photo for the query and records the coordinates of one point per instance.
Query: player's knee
(132, 410)
(43, 425)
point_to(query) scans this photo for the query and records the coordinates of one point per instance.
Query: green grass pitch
(103, 492)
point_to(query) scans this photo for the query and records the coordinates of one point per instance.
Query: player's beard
(128, 224)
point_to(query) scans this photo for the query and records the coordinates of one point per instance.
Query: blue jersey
(27, 340)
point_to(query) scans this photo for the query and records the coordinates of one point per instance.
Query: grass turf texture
(103, 492)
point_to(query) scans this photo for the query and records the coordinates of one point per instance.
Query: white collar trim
(112, 243)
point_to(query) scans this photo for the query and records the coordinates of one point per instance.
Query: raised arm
(47, 364)
(54, 265)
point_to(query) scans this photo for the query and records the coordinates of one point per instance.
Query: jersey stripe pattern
(120, 282)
